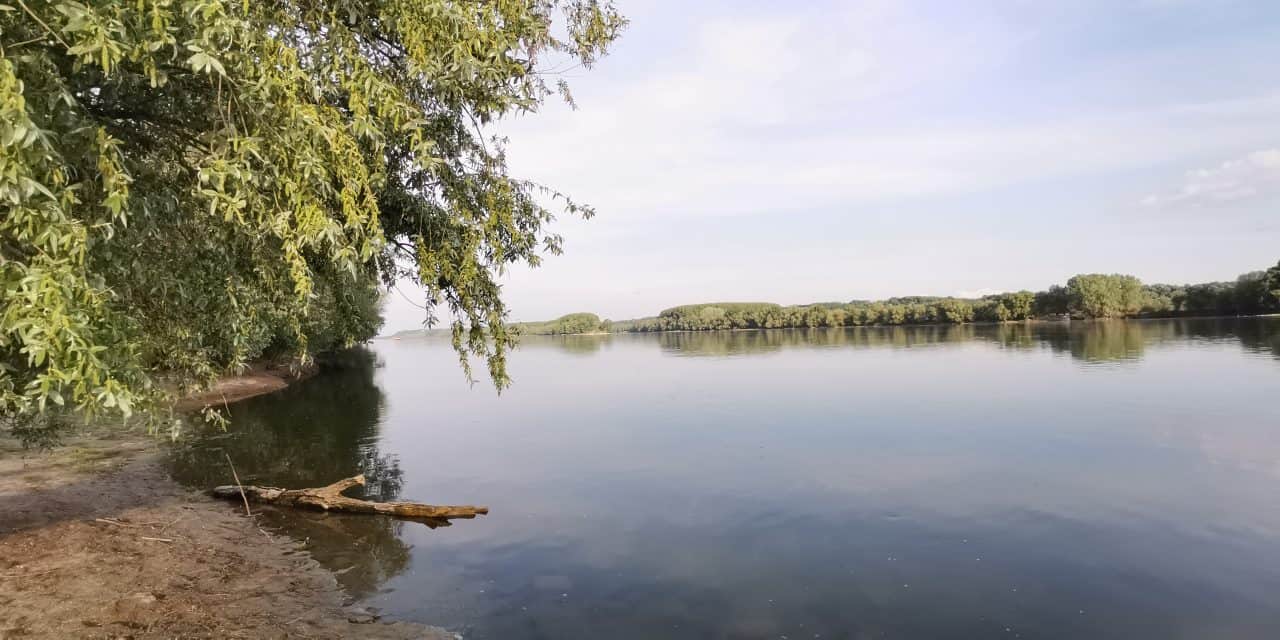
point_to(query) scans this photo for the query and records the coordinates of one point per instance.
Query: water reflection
(1100, 480)
(310, 435)
(731, 343)
(1099, 341)
(1259, 337)
(1092, 342)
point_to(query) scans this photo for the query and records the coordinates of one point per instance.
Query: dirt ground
(96, 541)
(259, 380)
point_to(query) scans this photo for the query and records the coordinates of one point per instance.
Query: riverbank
(258, 380)
(98, 541)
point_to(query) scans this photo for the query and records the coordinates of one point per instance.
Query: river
(1091, 480)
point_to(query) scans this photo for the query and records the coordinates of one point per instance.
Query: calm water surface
(1103, 480)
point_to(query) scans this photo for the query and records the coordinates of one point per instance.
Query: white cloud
(796, 111)
(756, 105)
(643, 160)
(1254, 175)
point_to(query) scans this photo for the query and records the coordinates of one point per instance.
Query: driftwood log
(330, 498)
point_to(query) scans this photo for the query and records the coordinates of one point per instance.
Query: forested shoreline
(1085, 296)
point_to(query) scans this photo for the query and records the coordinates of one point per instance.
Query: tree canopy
(1096, 295)
(1085, 296)
(573, 323)
(189, 185)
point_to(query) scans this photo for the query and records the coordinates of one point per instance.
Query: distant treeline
(573, 323)
(1084, 296)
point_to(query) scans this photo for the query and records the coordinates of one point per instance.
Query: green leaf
(202, 62)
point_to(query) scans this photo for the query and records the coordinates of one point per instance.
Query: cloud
(1252, 176)
(750, 113)
(642, 160)
(756, 112)
(832, 150)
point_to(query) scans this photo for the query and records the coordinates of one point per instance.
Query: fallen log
(330, 498)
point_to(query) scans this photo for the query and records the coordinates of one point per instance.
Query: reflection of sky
(948, 490)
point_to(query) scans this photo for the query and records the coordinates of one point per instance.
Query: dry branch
(330, 498)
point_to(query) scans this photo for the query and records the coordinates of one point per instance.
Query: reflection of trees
(1262, 335)
(728, 343)
(309, 435)
(581, 344)
(1013, 335)
(584, 344)
(1112, 340)
(1088, 341)
(1097, 340)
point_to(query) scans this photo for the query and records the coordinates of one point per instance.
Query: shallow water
(1097, 480)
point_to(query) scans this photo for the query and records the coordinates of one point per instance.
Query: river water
(1092, 480)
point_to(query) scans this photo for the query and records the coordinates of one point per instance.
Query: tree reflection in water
(310, 435)
(1091, 341)
(324, 429)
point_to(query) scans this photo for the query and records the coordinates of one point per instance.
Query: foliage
(1097, 295)
(1085, 296)
(1005, 307)
(573, 323)
(1272, 297)
(1052, 302)
(955, 311)
(1251, 292)
(1256, 292)
(189, 185)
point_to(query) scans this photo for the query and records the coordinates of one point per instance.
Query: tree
(573, 323)
(1086, 296)
(1251, 293)
(1053, 302)
(1019, 305)
(1098, 295)
(711, 317)
(188, 185)
(1273, 288)
(1164, 299)
(1211, 298)
(893, 314)
(955, 311)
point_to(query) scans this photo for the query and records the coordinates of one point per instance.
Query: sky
(796, 152)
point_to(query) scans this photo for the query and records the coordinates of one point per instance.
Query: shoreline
(258, 380)
(945, 324)
(878, 326)
(97, 540)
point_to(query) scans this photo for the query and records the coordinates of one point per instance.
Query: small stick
(156, 539)
(247, 512)
(110, 521)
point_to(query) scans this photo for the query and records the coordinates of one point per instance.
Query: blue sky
(804, 151)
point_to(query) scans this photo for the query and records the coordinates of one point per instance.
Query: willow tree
(189, 184)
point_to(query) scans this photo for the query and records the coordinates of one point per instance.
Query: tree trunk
(330, 498)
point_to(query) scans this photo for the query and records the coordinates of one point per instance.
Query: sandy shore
(257, 381)
(97, 541)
